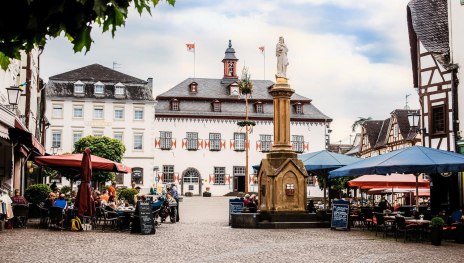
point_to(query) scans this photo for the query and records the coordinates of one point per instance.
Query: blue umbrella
(325, 160)
(411, 160)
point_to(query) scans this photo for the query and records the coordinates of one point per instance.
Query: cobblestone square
(203, 235)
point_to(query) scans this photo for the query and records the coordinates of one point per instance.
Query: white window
(299, 108)
(57, 111)
(219, 173)
(239, 141)
(311, 180)
(56, 139)
(259, 108)
(78, 87)
(98, 112)
(138, 114)
(214, 141)
(168, 173)
(192, 140)
(216, 106)
(98, 133)
(119, 136)
(119, 113)
(165, 140)
(395, 131)
(297, 141)
(265, 142)
(78, 111)
(99, 88)
(119, 89)
(138, 141)
(77, 135)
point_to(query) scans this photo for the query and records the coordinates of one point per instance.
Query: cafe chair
(56, 218)
(108, 218)
(21, 214)
(402, 229)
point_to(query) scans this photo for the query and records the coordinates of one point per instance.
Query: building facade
(199, 146)
(436, 56)
(22, 124)
(96, 100)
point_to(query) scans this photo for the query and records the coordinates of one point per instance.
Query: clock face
(234, 91)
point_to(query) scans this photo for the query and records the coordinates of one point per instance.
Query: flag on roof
(190, 47)
(261, 48)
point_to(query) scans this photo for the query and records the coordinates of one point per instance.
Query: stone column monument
(282, 177)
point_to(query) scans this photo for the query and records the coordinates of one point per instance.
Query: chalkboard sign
(340, 215)
(145, 214)
(235, 206)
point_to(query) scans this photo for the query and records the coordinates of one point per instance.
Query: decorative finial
(230, 43)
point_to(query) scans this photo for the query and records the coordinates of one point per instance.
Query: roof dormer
(234, 89)
(193, 87)
(79, 88)
(119, 89)
(99, 88)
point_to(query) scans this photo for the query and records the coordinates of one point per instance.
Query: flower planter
(206, 194)
(436, 234)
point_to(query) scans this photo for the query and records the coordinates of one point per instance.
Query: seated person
(455, 216)
(61, 202)
(105, 196)
(50, 200)
(111, 203)
(252, 204)
(18, 199)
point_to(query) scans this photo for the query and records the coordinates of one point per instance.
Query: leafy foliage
(66, 189)
(245, 123)
(437, 222)
(104, 147)
(128, 194)
(33, 22)
(37, 193)
(244, 84)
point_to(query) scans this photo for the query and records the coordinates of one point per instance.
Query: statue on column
(282, 60)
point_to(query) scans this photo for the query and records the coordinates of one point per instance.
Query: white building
(22, 126)
(95, 100)
(199, 144)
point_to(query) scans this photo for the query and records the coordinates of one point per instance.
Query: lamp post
(54, 150)
(13, 96)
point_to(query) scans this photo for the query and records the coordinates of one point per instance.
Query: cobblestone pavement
(203, 235)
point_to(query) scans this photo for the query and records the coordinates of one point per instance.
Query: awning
(26, 138)
(394, 180)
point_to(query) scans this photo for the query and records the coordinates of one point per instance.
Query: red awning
(75, 160)
(376, 191)
(389, 181)
(26, 138)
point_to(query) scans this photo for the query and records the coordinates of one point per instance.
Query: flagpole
(194, 51)
(264, 54)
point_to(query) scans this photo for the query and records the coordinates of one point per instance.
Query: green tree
(104, 147)
(359, 122)
(30, 23)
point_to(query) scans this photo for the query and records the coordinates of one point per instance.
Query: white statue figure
(282, 60)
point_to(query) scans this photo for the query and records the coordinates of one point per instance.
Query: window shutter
(184, 143)
(232, 144)
(200, 144)
(211, 178)
(157, 143)
(173, 143)
(160, 177)
(259, 145)
(228, 178)
(223, 144)
(207, 144)
(293, 146)
(306, 147)
(251, 179)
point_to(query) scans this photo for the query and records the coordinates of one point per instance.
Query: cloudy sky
(350, 57)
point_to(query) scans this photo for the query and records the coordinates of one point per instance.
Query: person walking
(175, 195)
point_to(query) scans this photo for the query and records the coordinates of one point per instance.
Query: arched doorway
(191, 181)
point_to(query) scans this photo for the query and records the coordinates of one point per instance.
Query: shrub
(437, 222)
(37, 193)
(66, 190)
(128, 195)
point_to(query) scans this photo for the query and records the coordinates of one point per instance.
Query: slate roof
(200, 103)
(230, 52)
(430, 23)
(383, 134)
(372, 128)
(403, 122)
(97, 72)
(62, 85)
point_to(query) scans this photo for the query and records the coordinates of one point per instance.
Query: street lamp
(13, 96)
(413, 119)
(54, 150)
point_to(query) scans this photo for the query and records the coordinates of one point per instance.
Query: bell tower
(230, 65)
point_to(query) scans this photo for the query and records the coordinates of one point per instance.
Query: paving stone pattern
(203, 235)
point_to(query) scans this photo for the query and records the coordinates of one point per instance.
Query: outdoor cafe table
(417, 221)
(126, 214)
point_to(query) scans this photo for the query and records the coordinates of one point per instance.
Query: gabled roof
(383, 134)
(428, 22)
(372, 128)
(403, 122)
(97, 72)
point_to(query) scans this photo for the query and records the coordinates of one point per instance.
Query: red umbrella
(391, 181)
(84, 200)
(75, 161)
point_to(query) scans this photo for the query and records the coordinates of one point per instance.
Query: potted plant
(436, 230)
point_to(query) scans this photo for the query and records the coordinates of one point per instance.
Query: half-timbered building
(435, 61)
(199, 145)
(381, 136)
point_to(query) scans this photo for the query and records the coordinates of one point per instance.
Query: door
(239, 178)
(191, 181)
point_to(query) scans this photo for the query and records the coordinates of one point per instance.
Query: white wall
(205, 160)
